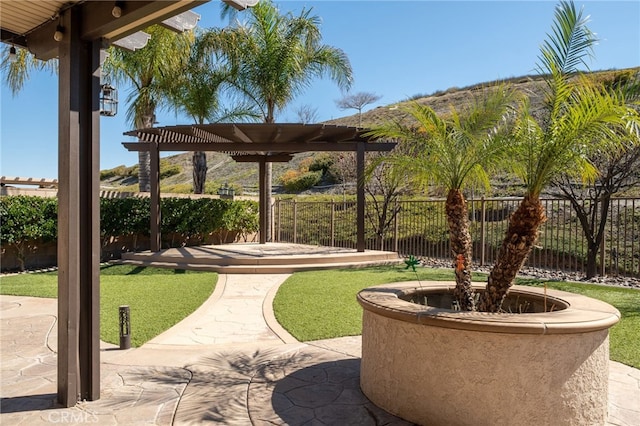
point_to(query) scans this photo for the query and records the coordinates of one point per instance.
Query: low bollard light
(125, 327)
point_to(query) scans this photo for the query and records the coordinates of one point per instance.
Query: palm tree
(196, 92)
(581, 118)
(453, 151)
(150, 71)
(17, 68)
(274, 57)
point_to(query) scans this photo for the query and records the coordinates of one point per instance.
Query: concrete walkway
(228, 363)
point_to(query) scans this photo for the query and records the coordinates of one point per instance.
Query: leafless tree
(357, 101)
(591, 202)
(382, 186)
(615, 173)
(307, 114)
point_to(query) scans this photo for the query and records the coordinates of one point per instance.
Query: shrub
(118, 171)
(26, 219)
(124, 216)
(325, 164)
(167, 169)
(301, 182)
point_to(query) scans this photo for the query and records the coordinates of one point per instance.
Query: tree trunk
(144, 171)
(144, 158)
(461, 246)
(519, 239)
(592, 255)
(199, 161)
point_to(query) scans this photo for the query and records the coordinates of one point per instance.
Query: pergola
(261, 143)
(75, 31)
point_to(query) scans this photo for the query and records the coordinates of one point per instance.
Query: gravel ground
(546, 274)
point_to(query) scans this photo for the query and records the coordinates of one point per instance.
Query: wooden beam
(136, 15)
(13, 38)
(78, 216)
(276, 158)
(98, 22)
(240, 136)
(285, 148)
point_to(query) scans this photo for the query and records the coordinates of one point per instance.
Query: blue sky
(397, 49)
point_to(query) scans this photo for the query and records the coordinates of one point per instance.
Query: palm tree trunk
(519, 239)
(199, 161)
(144, 158)
(269, 176)
(144, 171)
(461, 246)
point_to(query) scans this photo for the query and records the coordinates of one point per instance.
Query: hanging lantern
(108, 100)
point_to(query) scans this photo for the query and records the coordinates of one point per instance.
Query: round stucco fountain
(436, 366)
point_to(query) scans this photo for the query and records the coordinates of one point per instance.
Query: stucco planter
(436, 366)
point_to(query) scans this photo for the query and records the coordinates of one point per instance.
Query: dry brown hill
(244, 176)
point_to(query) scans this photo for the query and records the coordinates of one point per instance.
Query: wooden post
(78, 215)
(268, 173)
(154, 183)
(263, 201)
(278, 230)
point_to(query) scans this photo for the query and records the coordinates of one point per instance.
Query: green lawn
(322, 304)
(158, 298)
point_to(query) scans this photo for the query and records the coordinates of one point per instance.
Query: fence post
(482, 230)
(603, 247)
(295, 222)
(333, 220)
(395, 226)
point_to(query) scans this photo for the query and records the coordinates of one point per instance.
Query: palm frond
(569, 43)
(18, 70)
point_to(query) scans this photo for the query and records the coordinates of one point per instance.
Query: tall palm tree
(275, 57)
(151, 72)
(581, 118)
(196, 91)
(453, 151)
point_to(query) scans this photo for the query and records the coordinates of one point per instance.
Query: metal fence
(420, 229)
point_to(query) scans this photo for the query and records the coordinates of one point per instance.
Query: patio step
(260, 259)
(193, 257)
(258, 269)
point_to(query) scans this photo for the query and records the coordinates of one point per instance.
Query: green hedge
(24, 219)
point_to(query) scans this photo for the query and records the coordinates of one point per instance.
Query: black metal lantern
(108, 100)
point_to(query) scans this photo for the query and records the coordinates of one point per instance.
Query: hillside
(244, 176)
